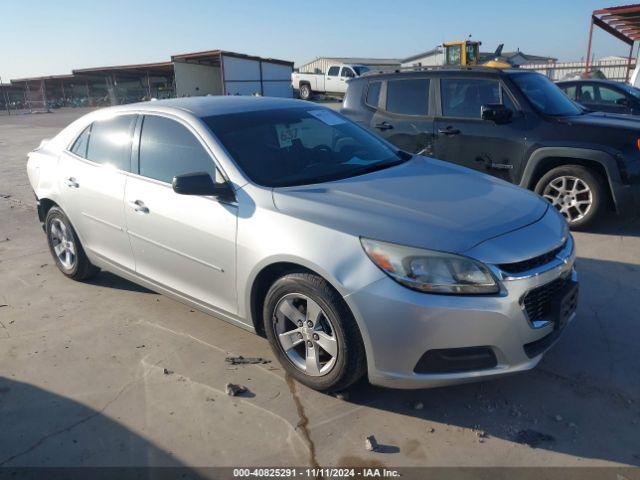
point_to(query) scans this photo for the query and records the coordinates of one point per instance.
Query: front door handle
(139, 206)
(449, 131)
(384, 126)
(71, 183)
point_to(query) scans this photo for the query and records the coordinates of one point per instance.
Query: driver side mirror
(496, 113)
(201, 183)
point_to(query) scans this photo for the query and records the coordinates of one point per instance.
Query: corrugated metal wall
(319, 65)
(612, 69)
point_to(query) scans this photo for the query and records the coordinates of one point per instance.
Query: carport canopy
(622, 22)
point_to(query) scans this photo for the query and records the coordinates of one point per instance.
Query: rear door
(462, 136)
(183, 242)
(93, 175)
(403, 115)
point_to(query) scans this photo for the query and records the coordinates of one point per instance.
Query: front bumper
(399, 325)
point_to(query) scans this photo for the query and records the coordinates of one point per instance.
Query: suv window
(347, 73)
(373, 94)
(333, 71)
(110, 141)
(408, 97)
(80, 145)
(168, 149)
(609, 96)
(463, 97)
(570, 91)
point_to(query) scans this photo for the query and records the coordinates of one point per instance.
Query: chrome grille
(531, 263)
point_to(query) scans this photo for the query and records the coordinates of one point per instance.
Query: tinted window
(347, 72)
(168, 149)
(373, 94)
(462, 97)
(110, 141)
(333, 71)
(360, 70)
(609, 96)
(297, 146)
(80, 145)
(587, 94)
(409, 97)
(570, 91)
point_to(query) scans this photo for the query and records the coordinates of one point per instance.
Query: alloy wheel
(63, 243)
(305, 334)
(570, 195)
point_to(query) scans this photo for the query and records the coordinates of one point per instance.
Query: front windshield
(545, 95)
(631, 90)
(298, 146)
(360, 69)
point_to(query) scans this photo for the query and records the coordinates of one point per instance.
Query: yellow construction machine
(467, 52)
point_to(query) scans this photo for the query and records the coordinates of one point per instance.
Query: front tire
(313, 333)
(305, 91)
(576, 192)
(66, 248)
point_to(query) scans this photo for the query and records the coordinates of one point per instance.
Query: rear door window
(463, 97)
(80, 145)
(408, 97)
(110, 142)
(168, 148)
(373, 94)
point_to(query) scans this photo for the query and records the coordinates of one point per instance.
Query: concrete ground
(82, 379)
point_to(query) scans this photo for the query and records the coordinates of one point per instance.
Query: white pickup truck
(332, 82)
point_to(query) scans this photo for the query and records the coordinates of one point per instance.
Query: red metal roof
(622, 22)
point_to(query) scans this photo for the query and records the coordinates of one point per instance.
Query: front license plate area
(564, 304)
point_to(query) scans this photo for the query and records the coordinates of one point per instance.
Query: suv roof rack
(427, 68)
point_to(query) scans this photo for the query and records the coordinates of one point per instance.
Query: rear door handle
(384, 126)
(71, 183)
(139, 206)
(448, 131)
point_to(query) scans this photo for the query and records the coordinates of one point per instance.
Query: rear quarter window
(373, 94)
(80, 145)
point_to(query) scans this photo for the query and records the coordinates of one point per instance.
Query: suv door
(183, 242)
(403, 114)
(463, 137)
(93, 175)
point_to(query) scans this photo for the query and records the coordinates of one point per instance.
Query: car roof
(217, 104)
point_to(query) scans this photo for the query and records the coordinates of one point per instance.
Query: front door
(93, 178)
(403, 117)
(182, 242)
(463, 137)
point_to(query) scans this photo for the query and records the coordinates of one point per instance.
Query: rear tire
(65, 247)
(313, 333)
(576, 192)
(305, 91)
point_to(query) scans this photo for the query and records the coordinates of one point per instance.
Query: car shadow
(614, 225)
(44, 429)
(581, 400)
(108, 279)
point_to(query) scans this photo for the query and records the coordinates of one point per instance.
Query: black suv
(514, 124)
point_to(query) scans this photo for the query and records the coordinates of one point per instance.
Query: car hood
(423, 203)
(611, 120)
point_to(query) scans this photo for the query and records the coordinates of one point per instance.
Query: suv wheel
(305, 91)
(313, 333)
(66, 248)
(575, 191)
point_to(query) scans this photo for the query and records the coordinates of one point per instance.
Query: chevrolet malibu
(286, 219)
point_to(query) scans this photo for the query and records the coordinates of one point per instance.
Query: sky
(40, 37)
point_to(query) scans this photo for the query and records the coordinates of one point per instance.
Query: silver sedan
(289, 220)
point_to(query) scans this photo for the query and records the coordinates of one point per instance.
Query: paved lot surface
(82, 379)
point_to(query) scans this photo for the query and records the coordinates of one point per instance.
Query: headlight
(431, 271)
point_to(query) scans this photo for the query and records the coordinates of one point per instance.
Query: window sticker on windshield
(286, 135)
(326, 116)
